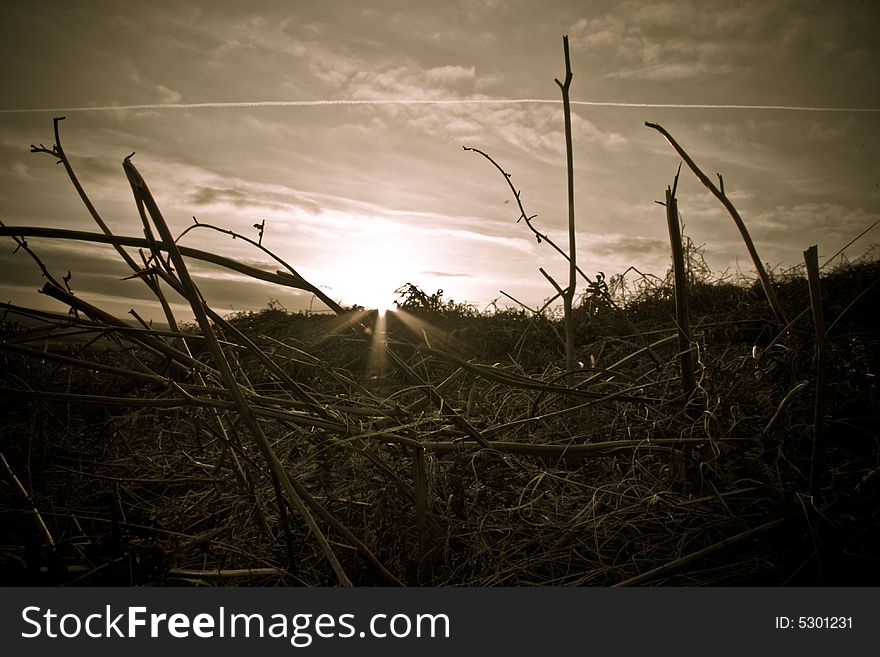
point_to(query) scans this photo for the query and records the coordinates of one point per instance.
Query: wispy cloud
(647, 46)
(624, 245)
(692, 40)
(253, 196)
(20, 170)
(167, 95)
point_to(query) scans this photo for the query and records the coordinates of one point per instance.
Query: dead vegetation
(438, 445)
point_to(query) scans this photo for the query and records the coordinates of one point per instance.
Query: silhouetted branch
(279, 278)
(58, 151)
(541, 237)
(296, 493)
(568, 295)
(682, 312)
(740, 224)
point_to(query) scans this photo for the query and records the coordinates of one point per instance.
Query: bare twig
(279, 278)
(335, 307)
(568, 294)
(767, 284)
(539, 236)
(542, 237)
(58, 151)
(44, 530)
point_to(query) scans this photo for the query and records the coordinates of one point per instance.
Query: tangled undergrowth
(449, 447)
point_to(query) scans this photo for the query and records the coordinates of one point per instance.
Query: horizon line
(394, 101)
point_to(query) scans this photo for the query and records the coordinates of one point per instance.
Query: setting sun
(368, 270)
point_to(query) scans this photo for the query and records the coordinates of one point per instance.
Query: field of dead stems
(446, 447)
(709, 433)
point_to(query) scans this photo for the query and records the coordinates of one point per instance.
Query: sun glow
(371, 284)
(368, 270)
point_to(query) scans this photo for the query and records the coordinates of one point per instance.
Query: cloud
(622, 246)
(670, 71)
(171, 178)
(642, 41)
(253, 196)
(831, 223)
(690, 40)
(209, 195)
(20, 170)
(402, 82)
(167, 95)
(536, 130)
(451, 76)
(513, 243)
(372, 74)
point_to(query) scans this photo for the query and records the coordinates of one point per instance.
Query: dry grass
(137, 486)
(443, 447)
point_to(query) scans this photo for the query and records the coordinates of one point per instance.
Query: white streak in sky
(468, 101)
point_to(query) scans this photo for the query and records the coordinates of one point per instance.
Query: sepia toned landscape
(320, 386)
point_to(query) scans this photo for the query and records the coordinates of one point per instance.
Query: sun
(371, 282)
(368, 271)
(375, 289)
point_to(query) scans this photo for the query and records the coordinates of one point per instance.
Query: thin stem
(568, 295)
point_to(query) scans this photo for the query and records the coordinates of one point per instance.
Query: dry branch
(292, 488)
(569, 451)
(26, 497)
(279, 278)
(542, 237)
(568, 294)
(766, 283)
(682, 312)
(58, 151)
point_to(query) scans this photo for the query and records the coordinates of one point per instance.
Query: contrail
(466, 101)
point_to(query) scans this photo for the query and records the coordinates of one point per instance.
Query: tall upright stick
(568, 296)
(682, 312)
(811, 259)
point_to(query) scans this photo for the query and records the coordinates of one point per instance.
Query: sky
(362, 198)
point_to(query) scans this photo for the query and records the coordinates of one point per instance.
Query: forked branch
(767, 284)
